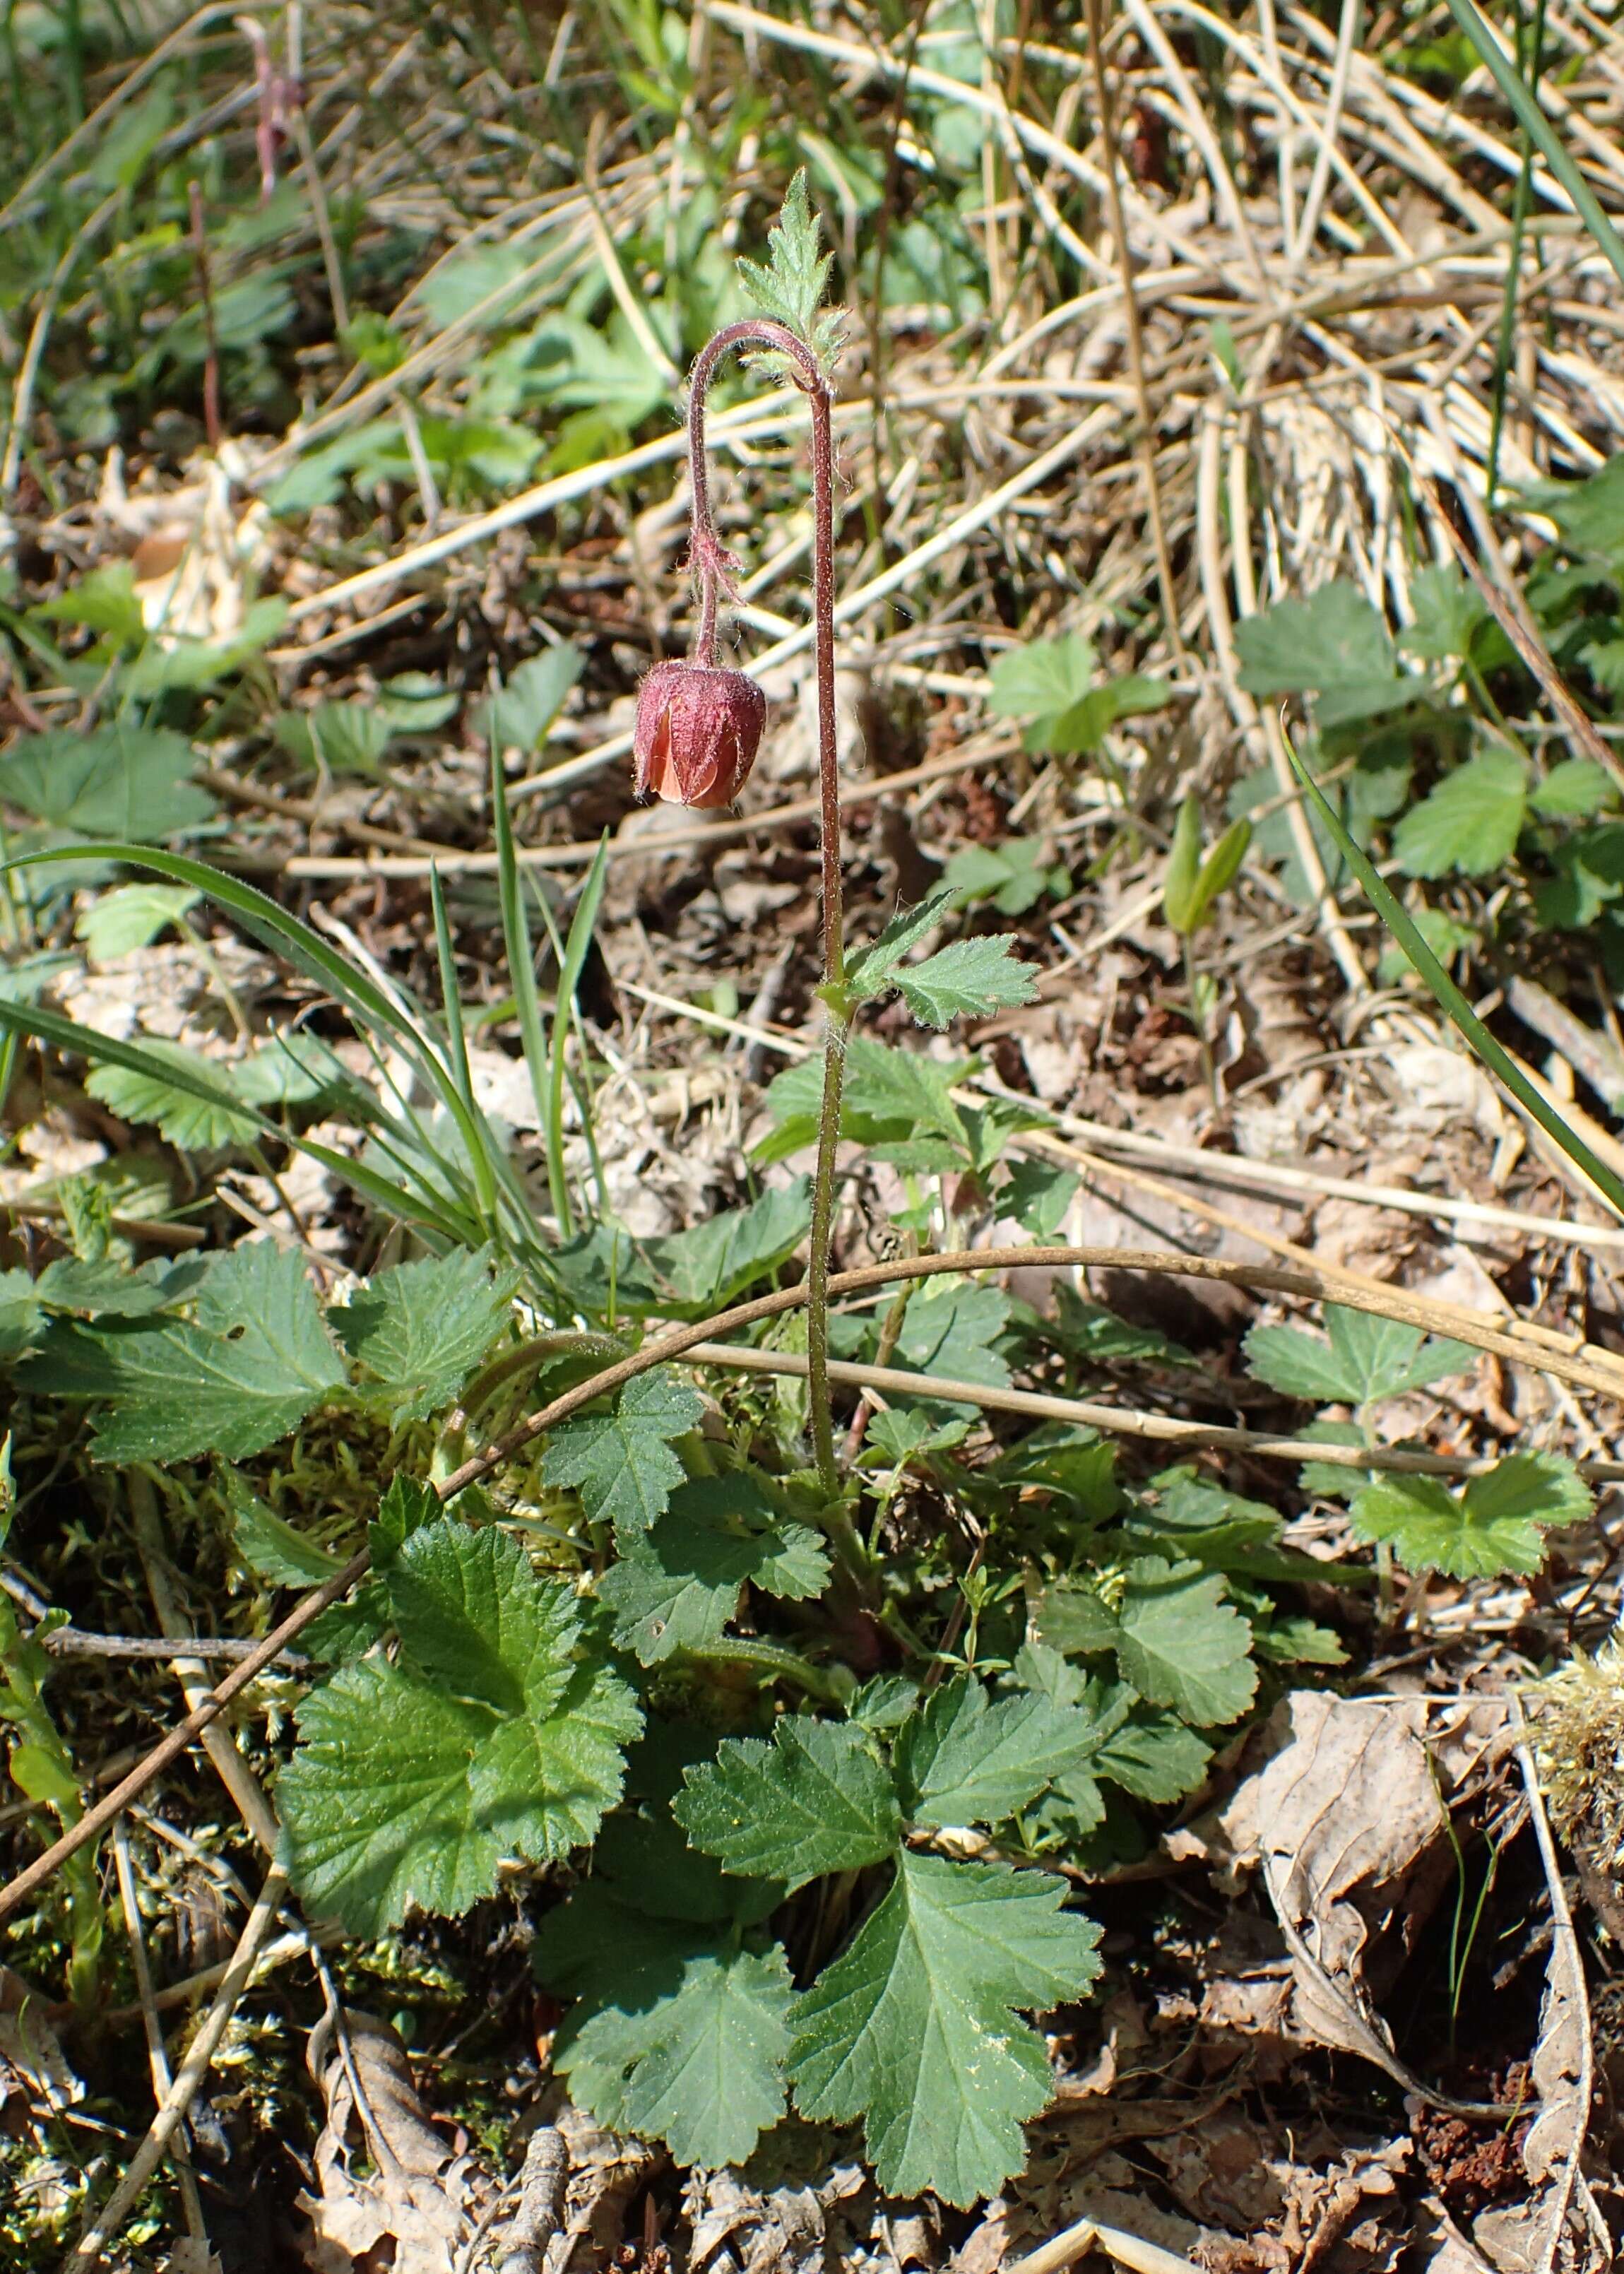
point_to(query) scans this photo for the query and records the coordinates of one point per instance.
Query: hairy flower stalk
(712, 568)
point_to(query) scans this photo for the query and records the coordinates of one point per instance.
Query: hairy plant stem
(711, 566)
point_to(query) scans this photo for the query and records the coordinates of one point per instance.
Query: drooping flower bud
(697, 730)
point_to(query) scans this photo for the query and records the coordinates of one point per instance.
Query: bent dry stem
(711, 565)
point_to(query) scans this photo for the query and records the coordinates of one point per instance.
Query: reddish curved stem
(711, 566)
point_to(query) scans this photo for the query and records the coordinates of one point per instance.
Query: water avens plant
(698, 723)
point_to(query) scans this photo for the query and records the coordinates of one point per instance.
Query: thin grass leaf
(1449, 997)
(571, 964)
(1539, 130)
(527, 1003)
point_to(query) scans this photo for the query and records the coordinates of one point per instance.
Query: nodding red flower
(697, 731)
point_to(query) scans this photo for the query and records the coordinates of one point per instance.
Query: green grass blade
(522, 971)
(1450, 999)
(1540, 131)
(456, 1039)
(571, 964)
(370, 1006)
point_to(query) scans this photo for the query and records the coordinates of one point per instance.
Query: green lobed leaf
(1331, 644)
(677, 1585)
(1469, 823)
(120, 922)
(420, 1329)
(709, 1266)
(968, 978)
(814, 1799)
(1496, 1525)
(790, 286)
(116, 781)
(1042, 680)
(182, 1116)
(255, 1363)
(913, 2028)
(1039, 1195)
(1176, 1641)
(962, 1759)
(520, 714)
(493, 1736)
(679, 2035)
(952, 1330)
(1367, 1357)
(622, 1462)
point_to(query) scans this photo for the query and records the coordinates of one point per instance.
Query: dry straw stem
(88, 2251)
(1073, 2242)
(1309, 1286)
(1119, 1421)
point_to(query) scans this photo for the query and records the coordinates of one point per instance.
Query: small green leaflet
(420, 1329)
(968, 978)
(710, 1265)
(814, 1799)
(1496, 1525)
(622, 1462)
(679, 2034)
(1470, 822)
(519, 715)
(255, 1363)
(790, 287)
(268, 1545)
(131, 917)
(1367, 1358)
(676, 1586)
(1014, 876)
(183, 1118)
(493, 1736)
(1176, 1641)
(1051, 683)
(1039, 1195)
(961, 1760)
(1331, 644)
(128, 782)
(913, 2027)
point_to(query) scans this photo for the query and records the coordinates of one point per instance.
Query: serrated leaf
(519, 715)
(1176, 1641)
(709, 1266)
(1574, 789)
(1154, 1756)
(814, 1800)
(421, 1328)
(1042, 679)
(1331, 644)
(962, 1759)
(182, 1117)
(1469, 823)
(1495, 1525)
(111, 1290)
(622, 1462)
(1014, 876)
(647, 1864)
(873, 968)
(677, 1585)
(128, 782)
(1367, 1357)
(913, 2027)
(1039, 1195)
(967, 978)
(270, 1547)
(679, 2035)
(255, 1363)
(790, 287)
(118, 922)
(952, 1331)
(491, 1737)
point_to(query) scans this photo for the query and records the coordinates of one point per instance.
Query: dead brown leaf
(1346, 1821)
(417, 2207)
